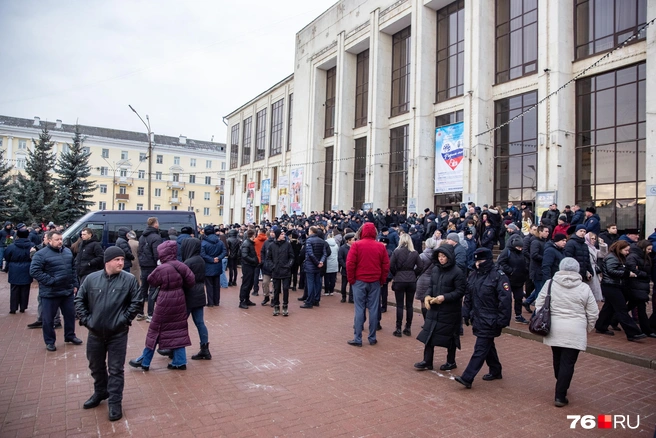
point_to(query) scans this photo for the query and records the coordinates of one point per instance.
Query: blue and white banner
(449, 153)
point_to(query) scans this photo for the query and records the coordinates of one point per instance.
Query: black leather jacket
(107, 305)
(614, 272)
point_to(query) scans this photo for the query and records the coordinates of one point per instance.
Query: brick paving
(296, 376)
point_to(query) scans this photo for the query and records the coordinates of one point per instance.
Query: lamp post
(150, 154)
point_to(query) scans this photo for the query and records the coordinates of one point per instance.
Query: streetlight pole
(150, 154)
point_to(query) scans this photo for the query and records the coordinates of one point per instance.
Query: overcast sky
(184, 63)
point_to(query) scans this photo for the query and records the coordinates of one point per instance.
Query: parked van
(105, 223)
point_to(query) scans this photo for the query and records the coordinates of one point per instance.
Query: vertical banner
(542, 202)
(449, 154)
(265, 200)
(250, 196)
(412, 205)
(297, 190)
(283, 195)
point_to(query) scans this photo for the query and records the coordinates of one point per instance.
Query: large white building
(374, 79)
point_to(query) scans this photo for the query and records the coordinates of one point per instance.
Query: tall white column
(378, 147)
(650, 159)
(10, 149)
(479, 107)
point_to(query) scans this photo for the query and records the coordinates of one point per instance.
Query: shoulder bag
(541, 321)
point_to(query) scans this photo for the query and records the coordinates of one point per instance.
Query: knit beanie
(569, 264)
(558, 237)
(112, 252)
(454, 237)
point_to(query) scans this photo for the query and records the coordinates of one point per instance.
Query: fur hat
(482, 254)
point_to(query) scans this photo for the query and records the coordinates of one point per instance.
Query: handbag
(541, 321)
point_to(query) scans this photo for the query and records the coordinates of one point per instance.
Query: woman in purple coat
(168, 328)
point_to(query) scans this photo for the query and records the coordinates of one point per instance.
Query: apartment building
(186, 174)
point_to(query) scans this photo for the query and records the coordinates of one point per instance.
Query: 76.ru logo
(603, 421)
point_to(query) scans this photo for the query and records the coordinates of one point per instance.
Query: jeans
(19, 297)
(518, 295)
(281, 283)
(266, 282)
(146, 290)
(106, 356)
(615, 306)
(39, 310)
(213, 290)
(366, 296)
(49, 309)
(199, 321)
(247, 276)
(484, 351)
(564, 360)
(534, 295)
(405, 294)
(329, 281)
(313, 286)
(232, 270)
(256, 279)
(224, 278)
(179, 356)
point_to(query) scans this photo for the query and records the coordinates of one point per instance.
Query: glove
(467, 322)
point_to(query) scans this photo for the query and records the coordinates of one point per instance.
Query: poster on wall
(297, 190)
(283, 196)
(250, 196)
(449, 153)
(265, 208)
(542, 202)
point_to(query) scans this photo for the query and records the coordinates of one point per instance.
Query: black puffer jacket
(551, 260)
(279, 259)
(536, 253)
(405, 265)
(55, 272)
(122, 242)
(613, 271)
(488, 302)
(89, 257)
(512, 262)
(442, 325)
(248, 254)
(638, 286)
(263, 254)
(148, 243)
(195, 296)
(578, 249)
(234, 244)
(106, 305)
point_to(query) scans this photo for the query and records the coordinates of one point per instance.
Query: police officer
(488, 306)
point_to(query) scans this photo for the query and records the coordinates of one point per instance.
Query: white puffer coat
(574, 311)
(331, 262)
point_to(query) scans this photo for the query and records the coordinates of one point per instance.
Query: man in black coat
(249, 262)
(278, 260)
(106, 304)
(148, 257)
(512, 262)
(234, 246)
(342, 254)
(122, 242)
(535, 270)
(487, 306)
(578, 249)
(89, 255)
(553, 255)
(53, 268)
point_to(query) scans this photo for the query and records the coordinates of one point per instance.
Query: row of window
(275, 134)
(102, 205)
(191, 194)
(159, 159)
(141, 174)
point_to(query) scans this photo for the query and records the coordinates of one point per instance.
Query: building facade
(373, 81)
(186, 174)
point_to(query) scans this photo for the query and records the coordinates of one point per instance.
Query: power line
(578, 75)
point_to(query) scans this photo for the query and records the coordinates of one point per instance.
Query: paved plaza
(296, 376)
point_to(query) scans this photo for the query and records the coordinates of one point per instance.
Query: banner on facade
(297, 190)
(412, 205)
(250, 196)
(542, 202)
(449, 153)
(283, 195)
(265, 200)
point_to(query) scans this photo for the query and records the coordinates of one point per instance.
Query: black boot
(276, 310)
(265, 300)
(204, 353)
(397, 332)
(285, 312)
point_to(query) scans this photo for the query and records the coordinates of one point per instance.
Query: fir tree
(35, 193)
(73, 187)
(6, 191)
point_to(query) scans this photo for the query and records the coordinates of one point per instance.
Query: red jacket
(562, 229)
(259, 243)
(367, 259)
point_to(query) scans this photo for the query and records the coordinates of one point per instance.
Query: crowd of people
(444, 261)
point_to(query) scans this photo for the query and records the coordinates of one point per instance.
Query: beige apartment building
(186, 174)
